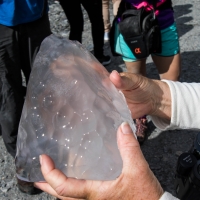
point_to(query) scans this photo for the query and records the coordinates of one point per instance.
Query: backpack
(139, 28)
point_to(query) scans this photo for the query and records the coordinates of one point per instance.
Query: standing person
(167, 62)
(106, 15)
(23, 26)
(74, 15)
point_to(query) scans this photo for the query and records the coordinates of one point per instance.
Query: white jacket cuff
(185, 99)
(167, 196)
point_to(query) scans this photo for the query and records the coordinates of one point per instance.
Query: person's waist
(165, 18)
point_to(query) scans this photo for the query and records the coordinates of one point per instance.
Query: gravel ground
(161, 149)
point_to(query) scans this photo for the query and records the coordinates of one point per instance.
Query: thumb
(49, 171)
(129, 149)
(124, 81)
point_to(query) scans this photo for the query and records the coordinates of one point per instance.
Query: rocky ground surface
(162, 148)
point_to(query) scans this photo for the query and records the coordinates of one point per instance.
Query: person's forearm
(185, 99)
(162, 100)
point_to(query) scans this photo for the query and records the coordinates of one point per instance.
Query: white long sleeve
(185, 110)
(168, 196)
(185, 107)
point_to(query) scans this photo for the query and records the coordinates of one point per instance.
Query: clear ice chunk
(71, 113)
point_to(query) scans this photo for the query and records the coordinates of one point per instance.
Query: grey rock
(178, 153)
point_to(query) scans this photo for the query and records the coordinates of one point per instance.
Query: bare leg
(137, 67)
(115, 6)
(168, 67)
(106, 15)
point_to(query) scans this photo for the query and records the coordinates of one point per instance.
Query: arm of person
(144, 96)
(185, 103)
(136, 181)
(172, 105)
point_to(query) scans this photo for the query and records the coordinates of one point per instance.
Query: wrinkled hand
(135, 182)
(144, 96)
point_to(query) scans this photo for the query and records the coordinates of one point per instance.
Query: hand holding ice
(71, 113)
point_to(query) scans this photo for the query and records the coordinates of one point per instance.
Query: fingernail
(114, 71)
(126, 129)
(40, 157)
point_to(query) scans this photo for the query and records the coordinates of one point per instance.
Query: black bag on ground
(141, 32)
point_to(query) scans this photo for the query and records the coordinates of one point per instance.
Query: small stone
(155, 167)
(165, 159)
(178, 153)
(165, 149)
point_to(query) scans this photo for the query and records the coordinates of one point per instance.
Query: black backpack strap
(154, 4)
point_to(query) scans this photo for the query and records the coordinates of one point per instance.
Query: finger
(63, 186)
(124, 81)
(116, 79)
(48, 189)
(135, 166)
(129, 149)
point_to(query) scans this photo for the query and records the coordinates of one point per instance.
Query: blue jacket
(14, 12)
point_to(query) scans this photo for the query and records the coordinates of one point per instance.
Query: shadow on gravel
(190, 66)
(161, 151)
(180, 11)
